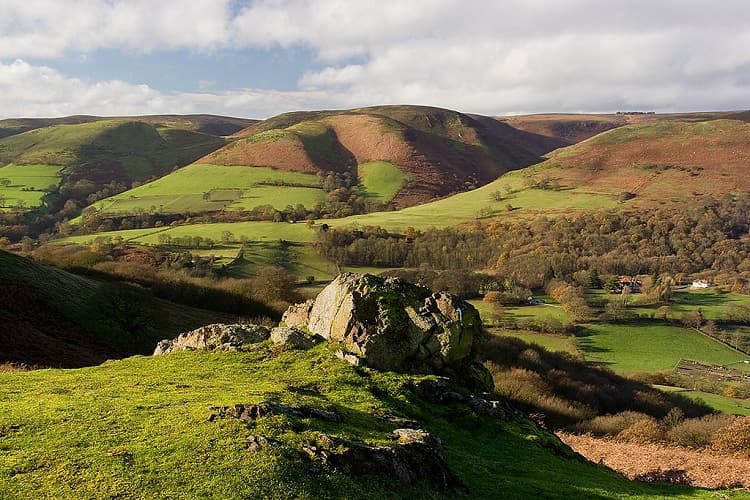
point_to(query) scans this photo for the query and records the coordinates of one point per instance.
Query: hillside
(97, 434)
(121, 149)
(438, 151)
(660, 163)
(207, 124)
(51, 317)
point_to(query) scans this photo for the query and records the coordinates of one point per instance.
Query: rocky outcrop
(216, 337)
(416, 457)
(250, 412)
(391, 324)
(293, 338)
(298, 314)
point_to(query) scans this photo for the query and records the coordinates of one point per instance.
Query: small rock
(292, 338)
(255, 443)
(402, 422)
(348, 357)
(215, 337)
(251, 412)
(409, 436)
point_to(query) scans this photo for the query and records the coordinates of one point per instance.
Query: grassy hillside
(207, 124)
(660, 162)
(438, 151)
(129, 149)
(202, 187)
(93, 442)
(24, 186)
(54, 318)
(381, 180)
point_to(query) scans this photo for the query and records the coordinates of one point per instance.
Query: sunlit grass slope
(139, 428)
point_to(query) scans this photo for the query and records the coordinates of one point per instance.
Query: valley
(576, 237)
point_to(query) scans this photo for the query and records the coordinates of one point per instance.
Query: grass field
(554, 343)
(715, 401)
(33, 178)
(713, 304)
(381, 180)
(202, 187)
(480, 204)
(646, 347)
(138, 428)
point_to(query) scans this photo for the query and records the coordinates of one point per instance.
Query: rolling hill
(43, 156)
(638, 166)
(51, 317)
(207, 124)
(660, 163)
(438, 151)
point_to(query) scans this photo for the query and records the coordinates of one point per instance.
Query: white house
(700, 284)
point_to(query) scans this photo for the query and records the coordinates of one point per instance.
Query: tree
(274, 283)
(227, 237)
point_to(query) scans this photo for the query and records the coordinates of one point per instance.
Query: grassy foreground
(138, 428)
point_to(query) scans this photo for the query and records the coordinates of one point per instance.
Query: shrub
(646, 430)
(734, 438)
(611, 425)
(698, 432)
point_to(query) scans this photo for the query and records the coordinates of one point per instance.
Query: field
(381, 180)
(713, 304)
(202, 187)
(86, 442)
(716, 401)
(549, 309)
(26, 184)
(553, 343)
(647, 347)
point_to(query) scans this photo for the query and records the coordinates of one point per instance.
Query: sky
(259, 58)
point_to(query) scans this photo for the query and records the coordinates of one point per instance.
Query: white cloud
(484, 56)
(39, 91)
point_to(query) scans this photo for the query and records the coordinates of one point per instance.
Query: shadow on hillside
(567, 390)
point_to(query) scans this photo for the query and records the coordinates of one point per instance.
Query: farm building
(700, 284)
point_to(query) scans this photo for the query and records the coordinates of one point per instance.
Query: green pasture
(480, 204)
(648, 347)
(381, 180)
(140, 428)
(33, 178)
(202, 187)
(553, 343)
(715, 401)
(713, 303)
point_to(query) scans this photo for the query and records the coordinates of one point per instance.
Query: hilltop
(438, 151)
(207, 124)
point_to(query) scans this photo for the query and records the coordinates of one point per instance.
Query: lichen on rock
(391, 324)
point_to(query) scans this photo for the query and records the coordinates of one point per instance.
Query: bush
(611, 425)
(646, 430)
(698, 432)
(734, 438)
